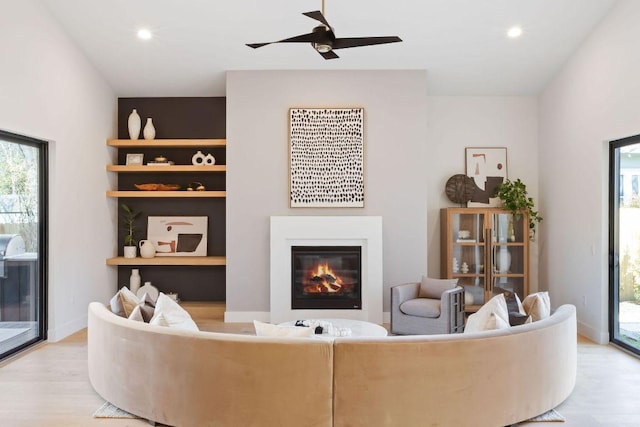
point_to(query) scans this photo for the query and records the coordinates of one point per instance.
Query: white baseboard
(63, 331)
(593, 334)
(265, 316)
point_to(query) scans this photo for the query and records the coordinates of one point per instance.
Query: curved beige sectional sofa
(182, 378)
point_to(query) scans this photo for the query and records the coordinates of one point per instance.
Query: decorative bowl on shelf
(157, 187)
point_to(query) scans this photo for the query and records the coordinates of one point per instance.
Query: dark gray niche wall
(178, 118)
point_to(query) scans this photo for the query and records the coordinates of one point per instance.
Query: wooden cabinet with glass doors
(487, 250)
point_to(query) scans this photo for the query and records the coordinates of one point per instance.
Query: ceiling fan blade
(343, 43)
(318, 16)
(329, 55)
(303, 38)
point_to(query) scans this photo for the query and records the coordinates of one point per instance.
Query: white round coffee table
(359, 328)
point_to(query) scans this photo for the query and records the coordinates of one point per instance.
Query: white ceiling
(461, 43)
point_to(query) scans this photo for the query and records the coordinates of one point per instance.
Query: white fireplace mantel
(288, 231)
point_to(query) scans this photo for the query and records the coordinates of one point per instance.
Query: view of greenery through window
(19, 192)
(629, 245)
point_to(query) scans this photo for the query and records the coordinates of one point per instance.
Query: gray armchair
(433, 306)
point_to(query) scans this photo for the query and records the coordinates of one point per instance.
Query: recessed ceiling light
(514, 32)
(144, 34)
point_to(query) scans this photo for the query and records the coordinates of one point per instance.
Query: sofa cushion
(421, 307)
(269, 330)
(492, 315)
(174, 315)
(124, 302)
(537, 305)
(433, 288)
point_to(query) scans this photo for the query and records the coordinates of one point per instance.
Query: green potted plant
(128, 221)
(515, 198)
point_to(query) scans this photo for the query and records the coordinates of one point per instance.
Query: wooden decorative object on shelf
(157, 187)
(459, 189)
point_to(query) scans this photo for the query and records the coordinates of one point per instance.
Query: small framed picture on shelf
(134, 159)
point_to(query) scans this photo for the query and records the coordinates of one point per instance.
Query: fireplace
(364, 232)
(326, 277)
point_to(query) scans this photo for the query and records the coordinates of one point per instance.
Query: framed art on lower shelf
(178, 235)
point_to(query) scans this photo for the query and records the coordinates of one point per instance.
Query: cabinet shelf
(167, 169)
(184, 260)
(485, 256)
(175, 194)
(173, 143)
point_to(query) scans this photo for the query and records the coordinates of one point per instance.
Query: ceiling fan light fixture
(322, 47)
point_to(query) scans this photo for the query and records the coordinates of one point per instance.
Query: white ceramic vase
(148, 289)
(130, 251)
(503, 260)
(198, 159)
(149, 131)
(147, 249)
(134, 280)
(134, 125)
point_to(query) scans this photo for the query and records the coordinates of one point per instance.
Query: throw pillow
(516, 319)
(492, 315)
(433, 288)
(537, 305)
(517, 315)
(174, 315)
(147, 307)
(136, 314)
(159, 320)
(269, 330)
(124, 302)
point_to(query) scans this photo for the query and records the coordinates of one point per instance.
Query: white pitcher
(147, 249)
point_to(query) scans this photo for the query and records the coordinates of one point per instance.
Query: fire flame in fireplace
(323, 280)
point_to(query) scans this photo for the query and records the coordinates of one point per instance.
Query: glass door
(508, 255)
(624, 243)
(23, 192)
(468, 256)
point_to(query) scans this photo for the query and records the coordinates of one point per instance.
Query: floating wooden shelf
(174, 143)
(170, 260)
(169, 169)
(175, 194)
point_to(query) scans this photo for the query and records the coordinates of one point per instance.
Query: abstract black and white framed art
(487, 166)
(326, 157)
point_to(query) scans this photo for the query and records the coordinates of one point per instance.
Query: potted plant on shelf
(515, 198)
(128, 221)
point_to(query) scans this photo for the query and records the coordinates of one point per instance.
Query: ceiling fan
(324, 40)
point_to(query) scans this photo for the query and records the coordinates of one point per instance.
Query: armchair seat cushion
(421, 307)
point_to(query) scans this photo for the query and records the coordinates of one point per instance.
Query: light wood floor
(49, 386)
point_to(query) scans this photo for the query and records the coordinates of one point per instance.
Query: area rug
(550, 416)
(110, 411)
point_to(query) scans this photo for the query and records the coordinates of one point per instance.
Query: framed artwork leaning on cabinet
(487, 166)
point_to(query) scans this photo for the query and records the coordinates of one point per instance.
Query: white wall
(594, 99)
(49, 91)
(257, 180)
(456, 122)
